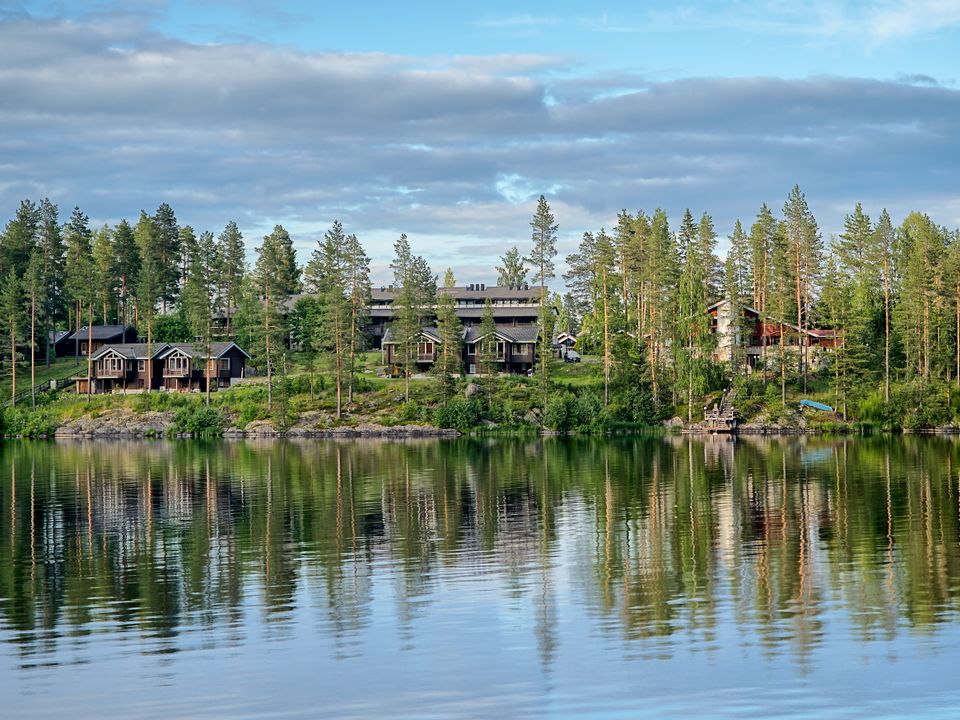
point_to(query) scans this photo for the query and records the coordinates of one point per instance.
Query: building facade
(172, 366)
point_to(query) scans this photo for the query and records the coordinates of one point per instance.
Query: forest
(636, 295)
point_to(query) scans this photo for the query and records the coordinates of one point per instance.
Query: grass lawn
(587, 373)
(58, 369)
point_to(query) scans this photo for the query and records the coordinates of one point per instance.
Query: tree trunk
(886, 329)
(33, 346)
(606, 342)
(209, 353)
(266, 341)
(89, 348)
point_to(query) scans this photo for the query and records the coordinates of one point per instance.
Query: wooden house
(125, 367)
(97, 336)
(513, 346)
(187, 366)
(172, 366)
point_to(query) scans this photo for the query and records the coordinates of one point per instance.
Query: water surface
(651, 577)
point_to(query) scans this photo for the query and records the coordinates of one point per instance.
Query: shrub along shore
(303, 403)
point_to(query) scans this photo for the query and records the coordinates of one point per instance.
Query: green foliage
(567, 412)
(32, 423)
(199, 420)
(459, 413)
(172, 329)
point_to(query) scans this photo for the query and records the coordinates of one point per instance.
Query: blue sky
(447, 120)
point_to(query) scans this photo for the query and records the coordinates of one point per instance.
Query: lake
(610, 578)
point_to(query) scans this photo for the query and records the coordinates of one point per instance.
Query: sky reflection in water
(645, 577)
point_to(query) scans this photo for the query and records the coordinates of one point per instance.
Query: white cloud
(452, 151)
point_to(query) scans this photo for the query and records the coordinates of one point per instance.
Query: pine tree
(883, 245)
(125, 269)
(199, 298)
(232, 256)
(19, 238)
(487, 356)
(330, 272)
(358, 291)
(763, 234)
(167, 239)
(450, 329)
(10, 304)
(805, 246)
(34, 289)
(102, 257)
(416, 290)
(77, 237)
(149, 283)
(50, 243)
(277, 277)
(544, 236)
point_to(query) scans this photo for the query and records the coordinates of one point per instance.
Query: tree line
(637, 295)
(892, 291)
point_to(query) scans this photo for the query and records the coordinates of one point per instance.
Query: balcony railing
(426, 357)
(176, 372)
(110, 373)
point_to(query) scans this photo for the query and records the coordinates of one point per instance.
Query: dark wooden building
(513, 346)
(75, 343)
(172, 366)
(186, 366)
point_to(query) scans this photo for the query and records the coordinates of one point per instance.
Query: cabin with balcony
(427, 346)
(125, 367)
(513, 347)
(188, 366)
(171, 366)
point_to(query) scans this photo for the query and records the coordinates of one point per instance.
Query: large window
(178, 363)
(424, 348)
(224, 364)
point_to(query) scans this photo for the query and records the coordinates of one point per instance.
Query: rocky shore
(123, 423)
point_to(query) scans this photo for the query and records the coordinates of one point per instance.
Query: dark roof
(527, 311)
(431, 332)
(131, 351)
(198, 350)
(104, 332)
(58, 335)
(512, 333)
(467, 292)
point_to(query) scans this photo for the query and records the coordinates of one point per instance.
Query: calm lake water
(652, 577)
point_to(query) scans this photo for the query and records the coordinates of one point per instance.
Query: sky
(447, 120)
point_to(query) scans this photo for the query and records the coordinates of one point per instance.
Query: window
(472, 349)
(141, 365)
(224, 363)
(178, 363)
(424, 348)
(501, 349)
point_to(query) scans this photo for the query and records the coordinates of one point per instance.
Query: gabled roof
(131, 351)
(198, 351)
(104, 332)
(430, 333)
(58, 335)
(511, 333)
